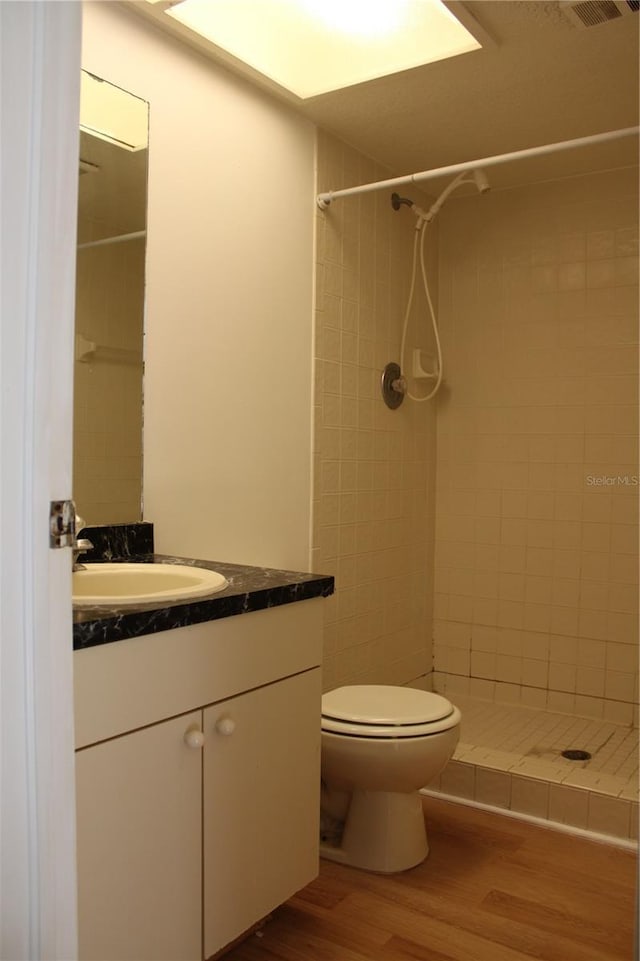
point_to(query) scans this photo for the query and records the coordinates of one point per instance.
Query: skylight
(311, 47)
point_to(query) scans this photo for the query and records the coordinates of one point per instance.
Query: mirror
(109, 317)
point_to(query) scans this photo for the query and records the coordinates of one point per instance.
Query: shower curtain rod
(324, 199)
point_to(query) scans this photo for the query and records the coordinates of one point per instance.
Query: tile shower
(529, 539)
(536, 559)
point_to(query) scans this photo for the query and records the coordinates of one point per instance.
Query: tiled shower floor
(529, 742)
(510, 756)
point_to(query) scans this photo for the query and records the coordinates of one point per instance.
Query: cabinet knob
(194, 738)
(225, 726)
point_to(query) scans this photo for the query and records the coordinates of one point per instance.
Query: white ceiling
(543, 80)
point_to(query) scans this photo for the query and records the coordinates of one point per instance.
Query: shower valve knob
(393, 386)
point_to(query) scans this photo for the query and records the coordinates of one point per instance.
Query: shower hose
(418, 253)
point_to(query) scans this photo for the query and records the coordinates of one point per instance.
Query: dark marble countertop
(249, 589)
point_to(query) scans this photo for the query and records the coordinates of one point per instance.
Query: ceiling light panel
(313, 46)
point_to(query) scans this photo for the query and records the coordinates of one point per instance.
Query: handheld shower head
(479, 178)
(481, 181)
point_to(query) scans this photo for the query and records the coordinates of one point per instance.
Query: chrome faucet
(80, 545)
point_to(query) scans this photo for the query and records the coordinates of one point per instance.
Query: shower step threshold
(510, 757)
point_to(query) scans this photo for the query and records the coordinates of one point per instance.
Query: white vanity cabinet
(139, 841)
(170, 824)
(261, 804)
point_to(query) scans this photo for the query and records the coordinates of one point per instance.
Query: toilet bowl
(380, 745)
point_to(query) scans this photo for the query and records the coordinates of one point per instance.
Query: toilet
(380, 745)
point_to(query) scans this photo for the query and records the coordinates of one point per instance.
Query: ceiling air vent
(590, 13)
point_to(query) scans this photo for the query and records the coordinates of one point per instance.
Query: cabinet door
(261, 803)
(139, 845)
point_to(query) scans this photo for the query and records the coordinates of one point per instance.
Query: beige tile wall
(373, 468)
(537, 507)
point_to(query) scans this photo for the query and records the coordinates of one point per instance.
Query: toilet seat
(383, 711)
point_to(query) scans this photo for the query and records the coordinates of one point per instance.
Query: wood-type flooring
(492, 889)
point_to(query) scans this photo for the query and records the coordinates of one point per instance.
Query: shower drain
(575, 755)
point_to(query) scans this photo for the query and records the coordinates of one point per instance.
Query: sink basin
(126, 584)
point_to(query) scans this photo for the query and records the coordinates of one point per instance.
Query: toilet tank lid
(384, 704)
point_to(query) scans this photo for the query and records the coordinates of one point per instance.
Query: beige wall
(228, 404)
(373, 467)
(536, 565)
